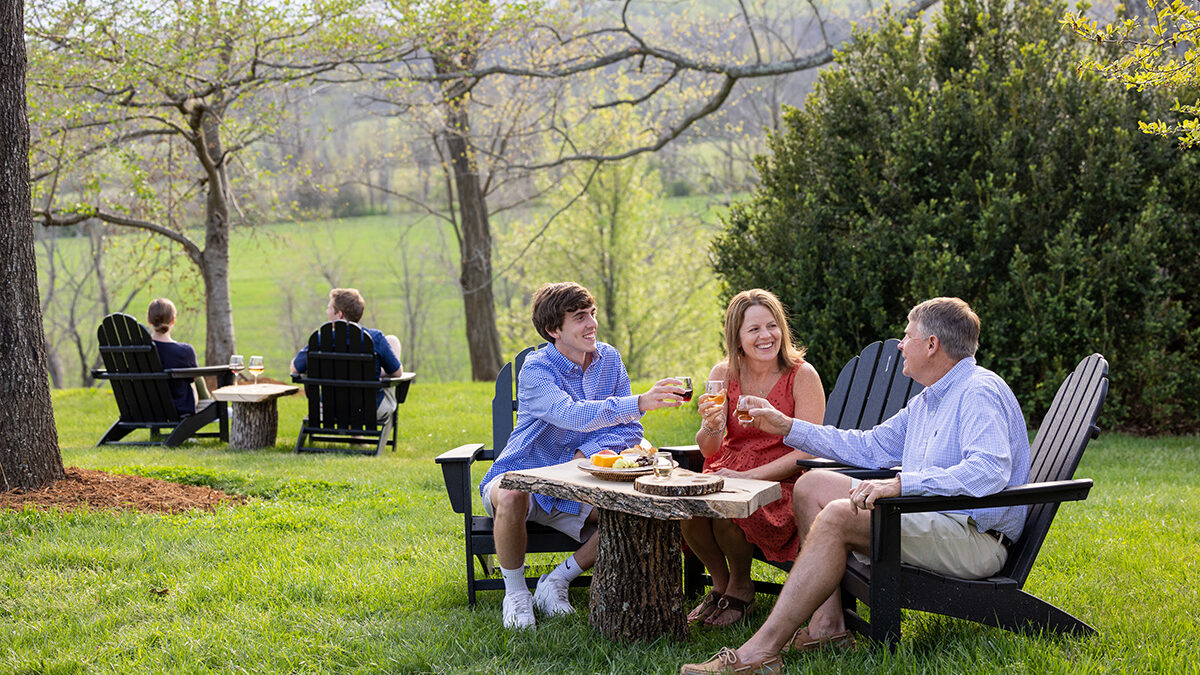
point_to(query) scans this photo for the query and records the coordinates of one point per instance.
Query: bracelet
(713, 432)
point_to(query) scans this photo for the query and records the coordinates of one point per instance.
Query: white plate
(609, 473)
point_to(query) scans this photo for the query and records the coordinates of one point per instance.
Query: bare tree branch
(53, 219)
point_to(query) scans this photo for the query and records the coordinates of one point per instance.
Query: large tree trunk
(214, 265)
(475, 242)
(218, 303)
(29, 456)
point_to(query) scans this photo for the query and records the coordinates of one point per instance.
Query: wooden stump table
(255, 419)
(637, 584)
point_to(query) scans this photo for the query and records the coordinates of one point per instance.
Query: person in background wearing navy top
(574, 400)
(172, 354)
(347, 304)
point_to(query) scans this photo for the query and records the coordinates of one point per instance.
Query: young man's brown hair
(553, 302)
(349, 302)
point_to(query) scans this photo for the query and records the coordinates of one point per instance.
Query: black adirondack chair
(456, 470)
(887, 586)
(341, 381)
(139, 384)
(870, 388)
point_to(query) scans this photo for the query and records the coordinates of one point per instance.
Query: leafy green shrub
(969, 157)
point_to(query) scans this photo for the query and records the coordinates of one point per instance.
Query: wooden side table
(255, 421)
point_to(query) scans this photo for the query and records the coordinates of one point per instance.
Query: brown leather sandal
(708, 605)
(728, 603)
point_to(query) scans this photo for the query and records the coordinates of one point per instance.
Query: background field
(281, 274)
(353, 564)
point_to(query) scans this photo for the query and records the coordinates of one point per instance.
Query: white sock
(514, 580)
(567, 569)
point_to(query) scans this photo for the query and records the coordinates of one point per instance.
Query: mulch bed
(100, 490)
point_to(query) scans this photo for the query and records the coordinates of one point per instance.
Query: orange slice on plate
(604, 458)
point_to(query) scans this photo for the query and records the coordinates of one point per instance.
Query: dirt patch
(100, 490)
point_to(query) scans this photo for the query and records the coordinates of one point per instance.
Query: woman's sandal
(708, 605)
(728, 603)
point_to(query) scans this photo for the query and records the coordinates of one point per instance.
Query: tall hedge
(967, 156)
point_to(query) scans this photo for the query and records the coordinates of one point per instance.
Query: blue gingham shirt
(963, 435)
(562, 408)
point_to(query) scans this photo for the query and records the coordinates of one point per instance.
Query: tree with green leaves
(29, 455)
(656, 302)
(144, 110)
(965, 156)
(542, 75)
(1158, 48)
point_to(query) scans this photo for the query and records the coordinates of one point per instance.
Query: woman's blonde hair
(790, 355)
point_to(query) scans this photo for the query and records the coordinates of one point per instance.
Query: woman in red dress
(762, 361)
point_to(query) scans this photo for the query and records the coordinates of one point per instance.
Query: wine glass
(687, 387)
(663, 464)
(743, 414)
(236, 365)
(716, 391)
(256, 367)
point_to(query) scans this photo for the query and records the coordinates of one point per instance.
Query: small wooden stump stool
(255, 418)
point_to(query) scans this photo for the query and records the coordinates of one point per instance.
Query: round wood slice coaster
(680, 484)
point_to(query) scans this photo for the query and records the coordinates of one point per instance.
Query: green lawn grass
(354, 564)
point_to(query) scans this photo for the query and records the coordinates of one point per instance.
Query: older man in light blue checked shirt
(964, 434)
(574, 400)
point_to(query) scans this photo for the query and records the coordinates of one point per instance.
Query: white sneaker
(550, 597)
(518, 611)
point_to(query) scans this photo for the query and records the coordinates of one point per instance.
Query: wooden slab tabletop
(739, 498)
(253, 393)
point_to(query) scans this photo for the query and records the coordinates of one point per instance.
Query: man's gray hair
(952, 321)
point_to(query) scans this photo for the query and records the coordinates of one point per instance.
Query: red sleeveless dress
(772, 528)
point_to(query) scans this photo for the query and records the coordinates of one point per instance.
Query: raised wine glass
(255, 367)
(236, 365)
(716, 391)
(687, 387)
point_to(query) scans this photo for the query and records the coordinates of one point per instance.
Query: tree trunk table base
(637, 588)
(637, 583)
(254, 419)
(253, 425)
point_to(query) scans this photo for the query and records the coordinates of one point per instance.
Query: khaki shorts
(386, 405)
(948, 543)
(574, 525)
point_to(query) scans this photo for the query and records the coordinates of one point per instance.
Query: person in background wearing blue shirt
(172, 354)
(574, 400)
(347, 304)
(964, 434)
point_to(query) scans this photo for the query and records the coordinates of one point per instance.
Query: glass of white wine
(663, 465)
(236, 365)
(716, 391)
(255, 367)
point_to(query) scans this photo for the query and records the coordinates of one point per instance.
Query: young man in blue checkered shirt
(964, 434)
(573, 400)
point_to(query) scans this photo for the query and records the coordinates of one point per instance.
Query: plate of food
(625, 465)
